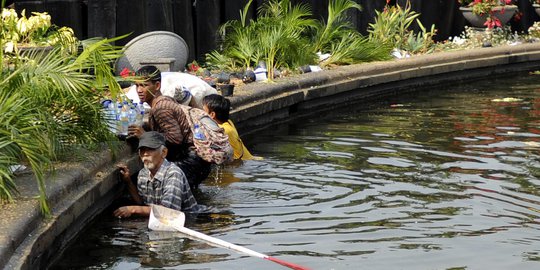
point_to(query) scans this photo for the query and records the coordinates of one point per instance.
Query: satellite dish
(165, 50)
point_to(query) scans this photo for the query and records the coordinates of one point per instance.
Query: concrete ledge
(78, 193)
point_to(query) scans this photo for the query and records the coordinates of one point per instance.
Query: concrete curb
(79, 193)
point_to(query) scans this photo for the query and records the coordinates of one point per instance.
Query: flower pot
(226, 89)
(537, 8)
(223, 77)
(479, 20)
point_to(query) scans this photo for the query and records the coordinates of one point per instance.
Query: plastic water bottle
(109, 114)
(117, 114)
(123, 120)
(111, 117)
(132, 115)
(197, 133)
(140, 118)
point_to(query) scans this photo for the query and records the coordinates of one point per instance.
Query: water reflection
(440, 180)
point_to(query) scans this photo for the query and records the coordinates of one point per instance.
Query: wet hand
(125, 174)
(123, 212)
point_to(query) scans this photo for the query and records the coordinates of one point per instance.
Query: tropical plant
(285, 36)
(488, 8)
(393, 25)
(277, 38)
(338, 38)
(50, 103)
(354, 48)
(336, 24)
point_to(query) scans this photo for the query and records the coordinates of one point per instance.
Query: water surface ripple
(447, 179)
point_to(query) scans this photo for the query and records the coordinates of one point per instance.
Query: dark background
(196, 21)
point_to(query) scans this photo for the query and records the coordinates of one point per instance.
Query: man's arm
(127, 211)
(125, 175)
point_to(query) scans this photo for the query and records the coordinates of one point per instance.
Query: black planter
(226, 89)
(223, 78)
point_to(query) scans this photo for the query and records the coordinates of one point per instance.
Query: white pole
(218, 242)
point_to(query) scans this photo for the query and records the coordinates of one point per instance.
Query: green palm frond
(50, 104)
(336, 25)
(244, 12)
(21, 141)
(354, 48)
(216, 59)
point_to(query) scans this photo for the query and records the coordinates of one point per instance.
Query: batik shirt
(166, 117)
(168, 188)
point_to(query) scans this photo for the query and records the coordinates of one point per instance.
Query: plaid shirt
(169, 188)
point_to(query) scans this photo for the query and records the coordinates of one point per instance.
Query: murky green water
(441, 180)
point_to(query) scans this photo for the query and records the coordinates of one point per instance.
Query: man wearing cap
(159, 182)
(167, 117)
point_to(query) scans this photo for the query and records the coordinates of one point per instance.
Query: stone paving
(80, 191)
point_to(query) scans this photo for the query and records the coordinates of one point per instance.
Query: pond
(444, 179)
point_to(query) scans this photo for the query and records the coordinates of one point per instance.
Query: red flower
(193, 67)
(493, 22)
(126, 73)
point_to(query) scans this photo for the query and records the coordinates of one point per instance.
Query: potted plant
(488, 13)
(20, 33)
(536, 6)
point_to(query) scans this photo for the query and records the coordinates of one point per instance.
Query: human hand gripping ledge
(124, 172)
(127, 211)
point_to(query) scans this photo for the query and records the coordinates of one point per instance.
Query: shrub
(392, 26)
(50, 103)
(285, 36)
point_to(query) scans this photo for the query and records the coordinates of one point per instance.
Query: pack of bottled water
(122, 114)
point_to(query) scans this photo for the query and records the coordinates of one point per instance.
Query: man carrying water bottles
(167, 117)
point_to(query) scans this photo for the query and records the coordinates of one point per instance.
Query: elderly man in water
(159, 182)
